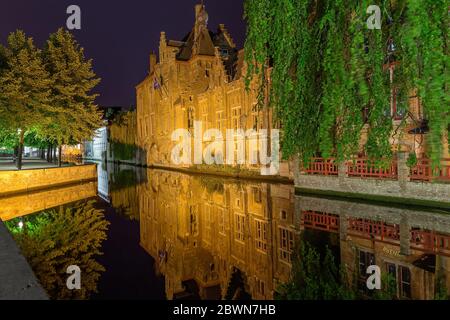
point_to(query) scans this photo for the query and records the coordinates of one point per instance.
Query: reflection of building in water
(412, 246)
(233, 239)
(228, 240)
(24, 204)
(125, 202)
(200, 78)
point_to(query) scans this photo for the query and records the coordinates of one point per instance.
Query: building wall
(178, 92)
(210, 229)
(28, 180)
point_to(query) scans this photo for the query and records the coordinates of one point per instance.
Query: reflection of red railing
(377, 230)
(327, 167)
(431, 242)
(365, 168)
(320, 221)
(424, 171)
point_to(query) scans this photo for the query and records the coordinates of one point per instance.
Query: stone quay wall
(30, 180)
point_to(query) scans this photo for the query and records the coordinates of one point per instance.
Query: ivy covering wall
(323, 66)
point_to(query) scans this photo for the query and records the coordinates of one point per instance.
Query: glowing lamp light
(20, 225)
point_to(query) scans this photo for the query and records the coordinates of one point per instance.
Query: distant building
(120, 129)
(96, 149)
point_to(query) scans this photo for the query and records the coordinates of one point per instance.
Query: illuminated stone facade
(197, 79)
(224, 236)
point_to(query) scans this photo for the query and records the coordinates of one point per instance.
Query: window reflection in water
(218, 238)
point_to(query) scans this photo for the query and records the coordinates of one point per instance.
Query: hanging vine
(424, 41)
(326, 67)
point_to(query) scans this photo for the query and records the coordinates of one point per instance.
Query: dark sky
(118, 35)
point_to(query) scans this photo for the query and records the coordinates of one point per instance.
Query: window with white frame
(286, 244)
(261, 235)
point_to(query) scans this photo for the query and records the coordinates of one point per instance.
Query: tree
(54, 240)
(25, 88)
(75, 116)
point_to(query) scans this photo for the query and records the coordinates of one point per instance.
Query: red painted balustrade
(322, 166)
(366, 168)
(376, 230)
(425, 171)
(430, 242)
(320, 221)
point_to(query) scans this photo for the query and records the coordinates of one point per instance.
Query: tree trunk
(49, 153)
(54, 159)
(20, 151)
(60, 156)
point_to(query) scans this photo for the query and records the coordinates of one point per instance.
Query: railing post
(405, 236)
(403, 170)
(342, 169)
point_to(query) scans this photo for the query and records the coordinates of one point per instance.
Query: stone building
(200, 78)
(214, 239)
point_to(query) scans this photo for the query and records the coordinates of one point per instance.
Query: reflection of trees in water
(212, 184)
(316, 275)
(56, 239)
(124, 193)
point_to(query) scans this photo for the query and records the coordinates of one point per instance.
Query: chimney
(152, 62)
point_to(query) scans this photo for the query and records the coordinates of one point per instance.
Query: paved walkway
(31, 163)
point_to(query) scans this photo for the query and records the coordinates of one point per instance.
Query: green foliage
(124, 179)
(74, 116)
(424, 44)
(8, 139)
(388, 288)
(123, 151)
(56, 239)
(24, 98)
(441, 288)
(412, 160)
(328, 67)
(46, 96)
(315, 277)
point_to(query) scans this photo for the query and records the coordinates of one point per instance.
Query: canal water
(155, 234)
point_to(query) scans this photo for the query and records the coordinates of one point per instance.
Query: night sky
(118, 35)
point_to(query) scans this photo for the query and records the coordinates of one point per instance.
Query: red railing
(321, 166)
(431, 242)
(424, 171)
(376, 230)
(320, 221)
(366, 168)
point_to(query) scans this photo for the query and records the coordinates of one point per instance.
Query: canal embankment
(27, 188)
(13, 182)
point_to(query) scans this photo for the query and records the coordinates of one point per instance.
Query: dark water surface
(177, 236)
